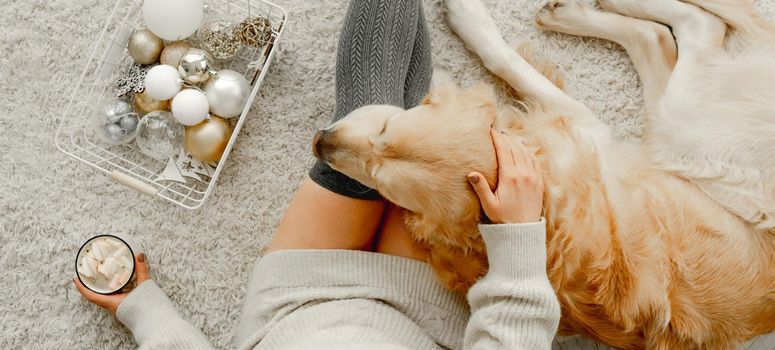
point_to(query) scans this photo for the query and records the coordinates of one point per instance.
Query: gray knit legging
(384, 57)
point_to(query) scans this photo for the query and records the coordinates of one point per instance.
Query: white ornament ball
(163, 82)
(227, 93)
(173, 19)
(190, 107)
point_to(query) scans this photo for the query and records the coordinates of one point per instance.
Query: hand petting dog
(520, 192)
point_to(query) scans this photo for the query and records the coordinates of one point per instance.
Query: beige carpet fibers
(50, 203)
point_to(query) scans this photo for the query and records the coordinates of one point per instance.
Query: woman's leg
(320, 219)
(383, 58)
(394, 237)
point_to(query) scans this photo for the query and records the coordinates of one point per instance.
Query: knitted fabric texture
(384, 57)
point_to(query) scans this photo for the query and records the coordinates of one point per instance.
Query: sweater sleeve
(155, 323)
(513, 306)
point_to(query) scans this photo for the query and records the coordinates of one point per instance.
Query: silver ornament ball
(113, 133)
(195, 66)
(145, 47)
(129, 122)
(113, 109)
(227, 93)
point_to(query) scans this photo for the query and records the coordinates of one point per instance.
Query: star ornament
(171, 173)
(186, 166)
(192, 167)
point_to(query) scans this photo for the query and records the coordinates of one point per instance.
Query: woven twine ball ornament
(256, 31)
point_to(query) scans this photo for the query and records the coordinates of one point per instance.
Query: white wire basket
(125, 163)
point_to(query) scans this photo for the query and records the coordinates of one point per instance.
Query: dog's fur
(665, 244)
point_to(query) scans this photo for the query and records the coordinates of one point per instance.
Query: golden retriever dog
(666, 243)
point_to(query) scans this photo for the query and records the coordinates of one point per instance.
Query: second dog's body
(667, 244)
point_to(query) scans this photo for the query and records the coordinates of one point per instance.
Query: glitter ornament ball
(173, 19)
(144, 103)
(190, 107)
(219, 38)
(227, 93)
(159, 136)
(195, 66)
(163, 82)
(172, 53)
(115, 122)
(208, 139)
(145, 47)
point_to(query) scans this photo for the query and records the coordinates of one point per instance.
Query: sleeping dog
(667, 243)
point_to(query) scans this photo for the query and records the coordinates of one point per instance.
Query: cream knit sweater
(335, 299)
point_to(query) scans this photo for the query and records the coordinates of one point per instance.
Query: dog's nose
(316, 143)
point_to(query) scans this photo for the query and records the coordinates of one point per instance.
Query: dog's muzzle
(320, 144)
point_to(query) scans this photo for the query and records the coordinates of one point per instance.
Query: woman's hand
(111, 302)
(520, 193)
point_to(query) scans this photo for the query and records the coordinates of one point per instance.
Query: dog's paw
(560, 14)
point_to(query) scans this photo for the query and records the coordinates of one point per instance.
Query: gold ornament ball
(208, 139)
(147, 104)
(145, 47)
(172, 53)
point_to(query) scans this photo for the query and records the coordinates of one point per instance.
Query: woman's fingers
(502, 150)
(519, 196)
(482, 189)
(521, 160)
(99, 299)
(141, 269)
(536, 164)
(111, 302)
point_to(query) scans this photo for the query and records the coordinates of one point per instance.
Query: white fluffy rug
(50, 203)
